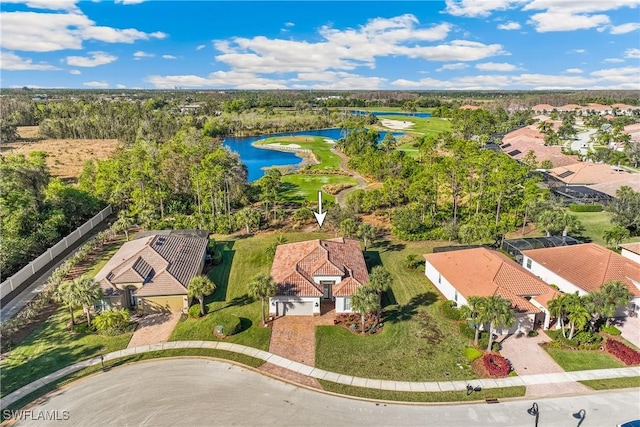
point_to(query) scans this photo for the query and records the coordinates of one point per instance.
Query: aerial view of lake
(257, 159)
(391, 113)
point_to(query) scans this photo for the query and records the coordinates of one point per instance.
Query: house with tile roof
(482, 272)
(584, 268)
(151, 273)
(585, 173)
(314, 271)
(631, 251)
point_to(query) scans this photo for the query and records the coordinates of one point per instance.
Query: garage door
(166, 304)
(296, 308)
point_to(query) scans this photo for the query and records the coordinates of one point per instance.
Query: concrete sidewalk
(524, 380)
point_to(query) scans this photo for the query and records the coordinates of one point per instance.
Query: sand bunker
(396, 124)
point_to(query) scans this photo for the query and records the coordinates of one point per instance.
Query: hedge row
(585, 208)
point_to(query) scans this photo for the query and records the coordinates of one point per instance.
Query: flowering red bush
(627, 355)
(497, 366)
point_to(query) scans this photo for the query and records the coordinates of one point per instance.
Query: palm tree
(123, 223)
(86, 292)
(366, 232)
(380, 281)
(569, 223)
(558, 309)
(616, 294)
(64, 294)
(364, 300)
(497, 311)
(616, 235)
(577, 313)
(199, 287)
(249, 217)
(470, 311)
(348, 227)
(262, 286)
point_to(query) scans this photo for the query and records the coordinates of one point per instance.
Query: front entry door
(326, 288)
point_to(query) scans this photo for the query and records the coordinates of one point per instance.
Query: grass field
(595, 224)
(390, 109)
(322, 150)
(416, 343)
(574, 360)
(611, 383)
(300, 187)
(423, 126)
(66, 156)
(52, 347)
(242, 260)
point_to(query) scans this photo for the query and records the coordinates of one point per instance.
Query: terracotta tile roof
(570, 107)
(595, 106)
(540, 107)
(588, 266)
(296, 264)
(611, 188)
(521, 145)
(483, 272)
(543, 299)
(587, 173)
(632, 247)
(164, 264)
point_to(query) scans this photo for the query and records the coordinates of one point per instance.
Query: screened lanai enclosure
(514, 247)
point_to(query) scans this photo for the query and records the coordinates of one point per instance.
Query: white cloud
(119, 86)
(496, 66)
(129, 1)
(564, 15)
(476, 8)
(96, 84)
(13, 62)
(456, 50)
(169, 57)
(222, 79)
(577, 51)
(75, 72)
(47, 4)
(614, 60)
(200, 47)
(97, 58)
(624, 28)
(454, 66)
(509, 26)
(289, 24)
(632, 53)
(47, 32)
(141, 54)
(574, 70)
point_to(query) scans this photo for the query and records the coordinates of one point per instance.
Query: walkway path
(527, 357)
(362, 183)
(524, 380)
(154, 328)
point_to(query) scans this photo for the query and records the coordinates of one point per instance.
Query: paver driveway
(527, 357)
(154, 328)
(630, 327)
(294, 337)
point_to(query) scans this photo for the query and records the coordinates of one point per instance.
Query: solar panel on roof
(507, 145)
(565, 174)
(514, 153)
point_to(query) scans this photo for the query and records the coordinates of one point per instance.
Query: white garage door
(295, 308)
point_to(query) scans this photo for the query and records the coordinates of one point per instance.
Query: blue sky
(394, 45)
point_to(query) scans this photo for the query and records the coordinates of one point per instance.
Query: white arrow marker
(320, 215)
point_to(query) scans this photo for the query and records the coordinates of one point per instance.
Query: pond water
(257, 159)
(391, 113)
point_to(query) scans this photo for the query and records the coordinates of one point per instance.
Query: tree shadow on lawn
(219, 274)
(401, 313)
(291, 192)
(372, 259)
(387, 245)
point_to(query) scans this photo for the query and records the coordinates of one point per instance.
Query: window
(101, 305)
(439, 277)
(347, 304)
(529, 263)
(455, 296)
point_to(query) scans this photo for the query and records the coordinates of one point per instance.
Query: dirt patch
(66, 156)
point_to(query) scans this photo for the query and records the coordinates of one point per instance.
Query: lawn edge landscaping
(224, 355)
(612, 383)
(422, 397)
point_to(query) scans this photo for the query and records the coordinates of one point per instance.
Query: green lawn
(242, 260)
(408, 396)
(390, 109)
(50, 348)
(595, 224)
(322, 150)
(300, 187)
(627, 382)
(577, 360)
(416, 343)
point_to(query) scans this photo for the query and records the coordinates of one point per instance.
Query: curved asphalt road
(201, 392)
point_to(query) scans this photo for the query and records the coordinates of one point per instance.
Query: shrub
(449, 310)
(585, 208)
(611, 330)
(471, 353)
(217, 257)
(211, 246)
(627, 355)
(467, 330)
(483, 342)
(231, 324)
(112, 322)
(532, 334)
(497, 366)
(194, 310)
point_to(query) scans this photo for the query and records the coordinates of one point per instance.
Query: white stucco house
(316, 271)
(584, 268)
(482, 272)
(631, 251)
